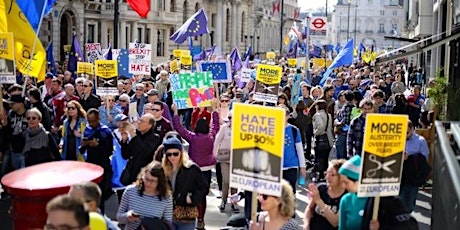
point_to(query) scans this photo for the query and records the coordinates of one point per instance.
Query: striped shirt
(145, 206)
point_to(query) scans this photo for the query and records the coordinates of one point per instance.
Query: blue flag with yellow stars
(221, 70)
(123, 64)
(76, 55)
(194, 26)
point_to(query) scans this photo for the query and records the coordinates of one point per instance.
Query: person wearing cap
(162, 84)
(139, 150)
(121, 121)
(16, 125)
(152, 96)
(187, 182)
(351, 208)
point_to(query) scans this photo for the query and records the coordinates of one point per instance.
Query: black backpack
(393, 215)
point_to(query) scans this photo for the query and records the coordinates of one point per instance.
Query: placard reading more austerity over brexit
(257, 148)
(192, 89)
(268, 78)
(107, 73)
(383, 155)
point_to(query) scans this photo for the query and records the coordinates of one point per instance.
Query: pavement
(215, 220)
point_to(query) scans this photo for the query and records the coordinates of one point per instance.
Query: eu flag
(194, 26)
(76, 55)
(109, 55)
(33, 10)
(123, 63)
(118, 164)
(345, 57)
(50, 58)
(220, 70)
(237, 64)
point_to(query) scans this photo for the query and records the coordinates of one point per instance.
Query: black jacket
(92, 101)
(190, 180)
(392, 215)
(140, 150)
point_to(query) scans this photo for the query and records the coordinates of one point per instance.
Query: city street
(215, 220)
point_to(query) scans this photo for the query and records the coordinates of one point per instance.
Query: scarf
(36, 138)
(90, 132)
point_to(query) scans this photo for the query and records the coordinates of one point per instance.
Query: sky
(315, 4)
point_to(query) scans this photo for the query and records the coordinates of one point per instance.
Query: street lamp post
(356, 17)
(348, 23)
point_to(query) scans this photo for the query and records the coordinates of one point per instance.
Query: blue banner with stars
(221, 70)
(123, 64)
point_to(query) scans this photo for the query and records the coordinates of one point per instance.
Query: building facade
(367, 22)
(230, 22)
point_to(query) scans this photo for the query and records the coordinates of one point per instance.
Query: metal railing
(446, 182)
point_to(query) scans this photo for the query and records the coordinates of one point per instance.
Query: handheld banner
(186, 61)
(107, 74)
(246, 74)
(267, 85)
(177, 53)
(85, 67)
(140, 58)
(173, 66)
(192, 89)
(292, 62)
(221, 71)
(383, 155)
(257, 148)
(7, 68)
(67, 48)
(295, 92)
(93, 52)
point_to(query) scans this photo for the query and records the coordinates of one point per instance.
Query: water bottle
(301, 180)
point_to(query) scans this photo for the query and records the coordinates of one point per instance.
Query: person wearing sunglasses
(123, 103)
(72, 129)
(109, 111)
(140, 98)
(162, 125)
(149, 197)
(59, 103)
(152, 96)
(185, 177)
(224, 108)
(36, 140)
(276, 212)
(89, 100)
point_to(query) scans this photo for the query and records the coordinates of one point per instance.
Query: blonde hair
(287, 206)
(168, 167)
(317, 88)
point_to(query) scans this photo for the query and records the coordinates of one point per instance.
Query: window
(172, 6)
(382, 12)
(381, 28)
(229, 25)
(147, 36)
(243, 19)
(395, 13)
(185, 12)
(90, 33)
(161, 5)
(139, 35)
(160, 43)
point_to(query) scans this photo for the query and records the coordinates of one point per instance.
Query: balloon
(97, 221)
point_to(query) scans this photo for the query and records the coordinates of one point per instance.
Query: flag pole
(281, 27)
(33, 49)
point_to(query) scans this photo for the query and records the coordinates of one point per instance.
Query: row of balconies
(359, 31)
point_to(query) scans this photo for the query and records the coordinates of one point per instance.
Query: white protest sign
(93, 52)
(140, 58)
(245, 74)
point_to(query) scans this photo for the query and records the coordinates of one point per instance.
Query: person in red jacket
(60, 102)
(199, 113)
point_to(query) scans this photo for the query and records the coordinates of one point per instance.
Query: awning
(386, 58)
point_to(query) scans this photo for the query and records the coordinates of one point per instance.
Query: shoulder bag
(322, 141)
(182, 213)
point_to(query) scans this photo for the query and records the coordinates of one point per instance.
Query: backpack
(393, 215)
(415, 170)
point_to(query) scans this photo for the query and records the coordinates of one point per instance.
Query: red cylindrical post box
(31, 188)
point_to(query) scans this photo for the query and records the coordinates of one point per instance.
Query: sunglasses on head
(173, 154)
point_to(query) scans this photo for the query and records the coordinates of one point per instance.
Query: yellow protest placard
(106, 68)
(6, 46)
(177, 53)
(271, 55)
(185, 53)
(292, 62)
(186, 60)
(268, 79)
(173, 66)
(67, 48)
(383, 154)
(257, 152)
(85, 67)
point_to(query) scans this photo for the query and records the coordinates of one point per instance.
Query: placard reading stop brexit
(257, 148)
(383, 155)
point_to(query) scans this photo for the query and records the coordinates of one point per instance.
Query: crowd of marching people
(169, 153)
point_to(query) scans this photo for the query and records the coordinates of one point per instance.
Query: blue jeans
(341, 146)
(408, 194)
(18, 160)
(183, 226)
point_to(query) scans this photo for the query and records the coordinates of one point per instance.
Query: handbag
(185, 214)
(322, 141)
(126, 177)
(223, 155)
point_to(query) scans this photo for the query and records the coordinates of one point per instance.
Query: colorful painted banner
(192, 89)
(85, 67)
(383, 155)
(93, 52)
(140, 58)
(257, 152)
(268, 79)
(221, 70)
